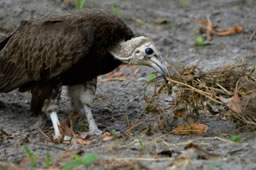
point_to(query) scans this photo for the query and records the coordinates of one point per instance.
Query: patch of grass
(80, 4)
(86, 161)
(116, 10)
(32, 157)
(200, 41)
(236, 138)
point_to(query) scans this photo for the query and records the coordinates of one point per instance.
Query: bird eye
(149, 51)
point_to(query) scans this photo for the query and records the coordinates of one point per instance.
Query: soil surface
(117, 101)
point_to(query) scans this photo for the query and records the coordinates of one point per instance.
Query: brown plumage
(58, 46)
(65, 49)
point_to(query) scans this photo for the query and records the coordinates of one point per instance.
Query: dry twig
(211, 29)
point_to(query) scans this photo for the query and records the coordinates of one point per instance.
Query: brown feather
(71, 47)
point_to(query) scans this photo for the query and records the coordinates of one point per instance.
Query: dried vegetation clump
(228, 91)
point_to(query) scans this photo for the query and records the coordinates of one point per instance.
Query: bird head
(140, 51)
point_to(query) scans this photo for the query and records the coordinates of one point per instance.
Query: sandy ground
(118, 100)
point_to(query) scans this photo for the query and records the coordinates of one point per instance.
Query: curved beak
(160, 65)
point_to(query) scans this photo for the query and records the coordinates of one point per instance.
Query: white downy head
(140, 51)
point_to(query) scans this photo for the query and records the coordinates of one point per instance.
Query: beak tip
(161, 66)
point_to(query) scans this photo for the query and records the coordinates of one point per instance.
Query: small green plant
(32, 157)
(252, 68)
(86, 161)
(236, 138)
(184, 3)
(200, 41)
(116, 10)
(48, 160)
(142, 146)
(80, 4)
(152, 76)
(141, 22)
(180, 63)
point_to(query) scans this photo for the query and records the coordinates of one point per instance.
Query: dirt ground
(120, 100)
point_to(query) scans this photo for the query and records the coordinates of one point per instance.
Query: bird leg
(93, 128)
(44, 103)
(82, 97)
(56, 124)
(50, 109)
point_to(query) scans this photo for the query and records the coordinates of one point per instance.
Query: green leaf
(201, 42)
(82, 3)
(89, 160)
(152, 76)
(86, 161)
(36, 157)
(252, 68)
(236, 138)
(31, 157)
(76, 157)
(48, 160)
(142, 146)
(77, 3)
(116, 10)
(184, 2)
(72, 165)
(142, 22)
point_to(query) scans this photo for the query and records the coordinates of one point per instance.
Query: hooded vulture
(70, 49)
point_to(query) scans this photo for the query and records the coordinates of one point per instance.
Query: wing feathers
(45, 48)
(41, 50)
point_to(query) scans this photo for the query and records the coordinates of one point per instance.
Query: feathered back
(60, 45)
